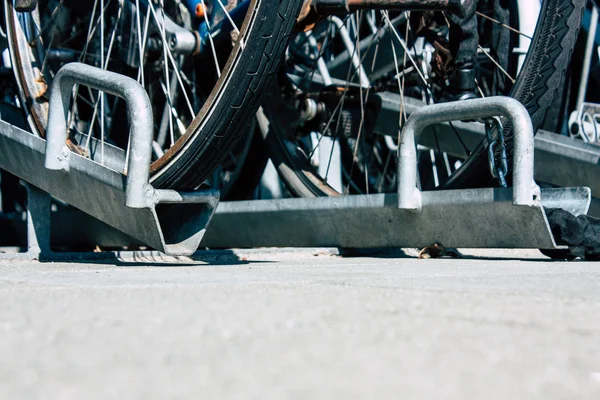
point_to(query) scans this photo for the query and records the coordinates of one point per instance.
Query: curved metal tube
(139, 113)
(524, 187)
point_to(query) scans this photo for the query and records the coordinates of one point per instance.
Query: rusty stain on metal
(42, 94)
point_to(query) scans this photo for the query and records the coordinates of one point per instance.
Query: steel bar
(564, 161)
(38, 221)
(474, 218)
(167, 220)
(559, 160)
(171, 222)
(525, 190)
(279, 223)
(139, 113)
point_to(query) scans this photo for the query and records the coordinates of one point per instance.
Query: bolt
(173, 41)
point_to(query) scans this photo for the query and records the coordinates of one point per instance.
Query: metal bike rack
(169, 221)
(560, 160)
(477, 218)
(176, 223)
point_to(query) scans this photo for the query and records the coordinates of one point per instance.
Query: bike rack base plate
(453, 218)
(174, 226)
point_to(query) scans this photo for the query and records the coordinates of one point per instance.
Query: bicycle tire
(543, 73)
(220, 124)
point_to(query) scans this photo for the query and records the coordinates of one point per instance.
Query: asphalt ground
(304, 324)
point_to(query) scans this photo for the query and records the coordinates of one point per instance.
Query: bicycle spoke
(166, 69)
(228, 16)
(460, 139)
(348, 80)
(212, 44)
(169, 58)
(362, 115)
(405, 47)
(139, 40)
(91, 29)
(503, 25)
(329, 31)
(513, 80)
(337, 109)
(103, 66)
(52, 33)
(479, 88)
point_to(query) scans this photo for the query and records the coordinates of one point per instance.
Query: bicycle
(343, 66)
(203, 63)
(206, 64)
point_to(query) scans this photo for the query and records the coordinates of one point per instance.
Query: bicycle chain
(498, 161)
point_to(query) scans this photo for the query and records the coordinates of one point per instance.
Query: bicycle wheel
(203, 67)
(335, 70)
(239, 174)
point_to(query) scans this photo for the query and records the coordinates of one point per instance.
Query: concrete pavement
(301, 325)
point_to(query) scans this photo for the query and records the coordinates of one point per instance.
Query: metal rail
(175, 222)
(559, 160)
(525, 191)
(167, 220)
(139, 113)
(488, 217)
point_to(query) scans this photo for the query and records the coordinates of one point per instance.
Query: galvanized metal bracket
(525, 190)
(476, 218)
(169, 221)
(139, 193)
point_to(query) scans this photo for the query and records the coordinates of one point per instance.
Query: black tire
(220, 124)
(558, 254)
(240, 99)
(247, 178)
(294, 171)
(536, 87)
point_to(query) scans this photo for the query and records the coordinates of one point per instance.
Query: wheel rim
(384, 180)
(197, 98)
